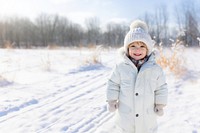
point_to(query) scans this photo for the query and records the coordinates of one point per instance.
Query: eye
(133, 46)
(142, 46)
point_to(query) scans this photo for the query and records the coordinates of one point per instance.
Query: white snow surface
(58, 91)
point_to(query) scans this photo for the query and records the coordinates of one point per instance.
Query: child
(137, 88)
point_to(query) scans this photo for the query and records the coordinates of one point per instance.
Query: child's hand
(159, 109)
(113, 105)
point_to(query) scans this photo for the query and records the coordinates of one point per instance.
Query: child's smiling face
(137, 50)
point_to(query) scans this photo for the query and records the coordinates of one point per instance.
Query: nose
(137, 48)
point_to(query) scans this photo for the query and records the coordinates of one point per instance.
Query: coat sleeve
(161, 92)
(113, 85)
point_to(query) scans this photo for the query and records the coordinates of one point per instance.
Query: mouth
(137, 54)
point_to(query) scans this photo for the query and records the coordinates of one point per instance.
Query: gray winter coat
(137, 93)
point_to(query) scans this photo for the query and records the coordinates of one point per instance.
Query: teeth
(137, 54)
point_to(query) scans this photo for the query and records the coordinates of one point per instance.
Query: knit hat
(138, 32)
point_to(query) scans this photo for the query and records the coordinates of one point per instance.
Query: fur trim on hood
(121, 51)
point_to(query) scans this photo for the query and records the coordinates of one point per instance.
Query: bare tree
(63, 25)
(161, 22)
(41, 22)
(149, 19)
(188, 21)
(47, 25)
(8, 31)
(26, 33)
(1, 34)
(74, 34)
(93, 30)
(114, 34)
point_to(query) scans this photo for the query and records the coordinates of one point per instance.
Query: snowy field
(59, 91)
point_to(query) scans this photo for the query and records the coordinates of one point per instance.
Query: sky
(79, 10)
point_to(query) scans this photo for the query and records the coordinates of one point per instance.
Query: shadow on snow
(89, 67)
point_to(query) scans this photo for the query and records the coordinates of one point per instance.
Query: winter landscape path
(44, 91)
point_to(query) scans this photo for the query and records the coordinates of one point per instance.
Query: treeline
(54, 30)
(51, 30)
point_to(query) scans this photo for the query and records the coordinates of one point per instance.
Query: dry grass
(46, 63)
(95, 56)
(8, 45)
(1, 78)
(174, 62)
(52, 46)
(6, 75)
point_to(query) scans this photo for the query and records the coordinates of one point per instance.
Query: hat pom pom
(139, 24)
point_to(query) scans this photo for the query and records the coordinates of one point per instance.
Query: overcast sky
(79, 10)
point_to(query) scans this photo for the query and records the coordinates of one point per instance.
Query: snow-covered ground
(58, 91)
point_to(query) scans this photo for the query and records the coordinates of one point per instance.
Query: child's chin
(137, 58)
